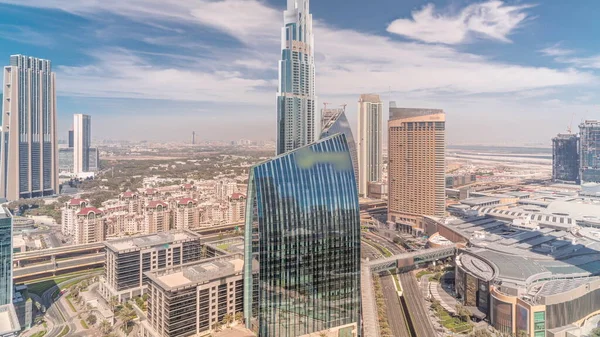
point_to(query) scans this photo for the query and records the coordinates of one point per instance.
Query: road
(56, 312)
(416, 306)
(395, 314)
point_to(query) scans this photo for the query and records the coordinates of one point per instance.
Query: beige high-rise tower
(416, 165)
(29, 161)
(370, 141)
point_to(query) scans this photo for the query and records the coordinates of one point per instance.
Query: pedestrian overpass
(412, 259)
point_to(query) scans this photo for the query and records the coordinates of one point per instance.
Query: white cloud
(349, 62)
(563, 55)
(556, 50)
(591, 62)
(491, 20)
(124, 74)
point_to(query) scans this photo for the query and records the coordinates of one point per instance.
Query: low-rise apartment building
(192, 299)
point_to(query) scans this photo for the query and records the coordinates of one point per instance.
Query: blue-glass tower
(303, 232)
(296, 100)
(6, 251)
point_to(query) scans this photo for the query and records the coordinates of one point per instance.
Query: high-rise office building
(416, 164)
(589, 151)
(338, 123)
(71, 138)
(29, 160)
(6, 253)
(370, 141)
(303, 232)
(565, 158)
(82, 127)
(296, 100)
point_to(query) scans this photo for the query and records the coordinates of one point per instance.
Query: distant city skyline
(524, 68)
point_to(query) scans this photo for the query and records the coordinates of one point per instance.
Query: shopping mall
(527, 279)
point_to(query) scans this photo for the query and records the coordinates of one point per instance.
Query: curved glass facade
(303, 231)
(339, 124)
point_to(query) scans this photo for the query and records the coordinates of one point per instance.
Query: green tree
(105, 327)
(127, 315)
(92, 319)
(595, 332)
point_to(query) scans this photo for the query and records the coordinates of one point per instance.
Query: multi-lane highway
(416, 304)
(395, 312)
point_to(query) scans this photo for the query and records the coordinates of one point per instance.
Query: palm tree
(127, 315)
(105, 327)
(114, 302)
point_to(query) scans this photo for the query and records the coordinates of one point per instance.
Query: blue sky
(506, 72)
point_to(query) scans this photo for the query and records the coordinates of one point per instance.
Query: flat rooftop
(150, 240)
(4, 213)
(9, 323)
(199, 272)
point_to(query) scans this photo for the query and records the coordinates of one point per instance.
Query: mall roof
(522, 255)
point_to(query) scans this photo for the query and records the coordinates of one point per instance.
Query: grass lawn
(39, 334)
(453, 324)
(224, 246)
(71, 303)
(64, 332)
(398, 286)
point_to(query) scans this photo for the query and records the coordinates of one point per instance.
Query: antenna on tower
(325, 105)
(344, 107)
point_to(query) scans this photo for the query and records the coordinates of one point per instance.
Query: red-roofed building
(78, 202)
(156, 217)
(90, 227)
(237, 196)
(69, 215)
(187, 214)
(236, 209)
(150, 191)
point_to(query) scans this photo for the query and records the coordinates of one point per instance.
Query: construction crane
(571, 124)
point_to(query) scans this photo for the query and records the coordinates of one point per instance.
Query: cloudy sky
(505, 72)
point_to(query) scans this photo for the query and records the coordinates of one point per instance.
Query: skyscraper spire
(296, 100)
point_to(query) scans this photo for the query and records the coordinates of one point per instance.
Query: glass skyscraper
(303, 232)
(6, 252)
(338, 123)
(296, 100)
(589, 151)
(28, 148)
